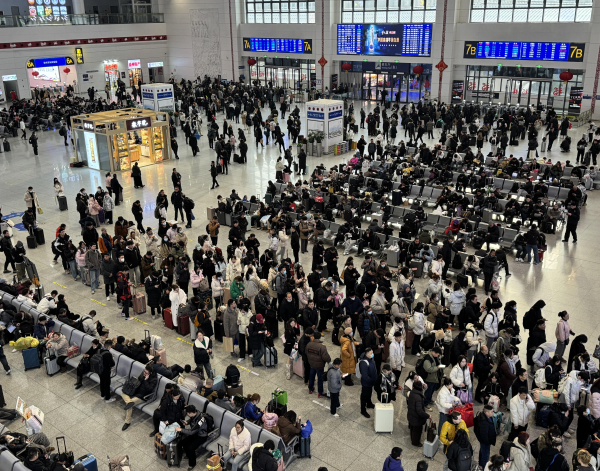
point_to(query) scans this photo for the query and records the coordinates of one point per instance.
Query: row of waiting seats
(125, 368)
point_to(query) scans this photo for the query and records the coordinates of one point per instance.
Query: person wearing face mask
(162, 228)
(31, 200)
(368, 379)
(168, 268)
(182, 273)
(124, 292)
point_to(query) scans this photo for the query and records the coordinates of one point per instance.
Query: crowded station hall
(386, 279)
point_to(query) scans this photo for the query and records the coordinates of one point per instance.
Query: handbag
(431, 431)
(465, 396)
(131, 386)
(228, 344)
(170, 433)
(596, 353)
(40, 211)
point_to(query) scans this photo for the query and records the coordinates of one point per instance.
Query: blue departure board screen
(282, 45)
(567, 52)
(385, 40)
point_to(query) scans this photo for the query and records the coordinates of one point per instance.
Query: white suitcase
(193, 330)
(431, 448)
(384, 418)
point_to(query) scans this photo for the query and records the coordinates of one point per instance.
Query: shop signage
(134, 63)
(164, 95)
(79, 55)
(140, 123)
(15, 45)
(155, 64)
(9, 78)
(88, 125)
(575, 96)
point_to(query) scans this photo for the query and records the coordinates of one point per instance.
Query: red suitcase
(410, 338)
(183, 326)
(168, 317)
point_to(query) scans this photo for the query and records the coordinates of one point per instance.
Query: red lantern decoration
(346, 66)
(251, 61)
(35, 73)
(565, 76)
(66, 70)
(418, 70)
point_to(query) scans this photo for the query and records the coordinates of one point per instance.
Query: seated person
(37, 460)
(262, 456)
(239, 443)
(207, 391)
(148, 381)
(225, 402)
(59, 343)
(194, 381)
(195, 436)
(156, 415)
(120, 346)
(172, 407)
(251, 410)
(17, 442)
(43, 328)
(289, 426)
(84, 366)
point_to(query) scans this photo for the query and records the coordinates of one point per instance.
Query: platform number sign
(523, 51)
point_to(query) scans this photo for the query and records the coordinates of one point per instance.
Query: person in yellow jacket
(448, 432)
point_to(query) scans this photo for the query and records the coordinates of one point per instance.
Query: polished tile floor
(565, 280)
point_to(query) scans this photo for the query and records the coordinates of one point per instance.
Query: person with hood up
(416, 414)
(537, 336)
(533, 315)
(577, 348)
(457, 301)
(394, 461)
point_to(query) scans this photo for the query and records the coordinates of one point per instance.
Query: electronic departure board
(567, 52)
(385, 40)
(283, 45)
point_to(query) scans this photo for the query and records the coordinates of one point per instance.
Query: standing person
(334, 386)
(193, 437)
(432, 364)
(6, 247)
(520, 453)
(117, 189)
(31, 200)
(188, 205)
(295, 243)
(2, 355)
(460, 452)
(563, 331)
(419, 329)
(369, 377)
(123, 290)
(521, 407)
(176, 178)
(174, 147)
(177, 201)
(532, 237)
(202, 352)
(318, 356)
(33, 140)
(23, 129)
(193, 142)
(213, 174)
(138, 215)
(393, 461)
(136, 173)
(482, 366)
(256, 334)
(416, 414)
(108, 362)
(572, 221)
(93, 264)
(486, 434)
(213, 230)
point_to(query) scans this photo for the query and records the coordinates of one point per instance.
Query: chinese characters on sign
(141, 123)
(88, 125)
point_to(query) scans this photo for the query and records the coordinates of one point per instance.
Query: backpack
(540, 377)
(494, 349)
(191, 202)
(232, 376)
(97, 363)
(561, 385)
(420, 367)
(481, 262)
(61, 131)
(464, 459)
(528, 321)
(505, 449)
(157, 213)
(274, 245)
(210, 422)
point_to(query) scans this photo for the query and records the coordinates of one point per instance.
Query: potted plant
(319, 136)
(311, 141)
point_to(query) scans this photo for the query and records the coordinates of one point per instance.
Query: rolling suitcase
(89, 462)
(162, 353)
(487, 215)
(384, 418)
(183, 325)
(85, 276)
(305, 447)
(418, 264)
(396, 198)
(410, 338)
(463, 280)
(62, 203)
(31, 358)
(101, 216)
(159, 447)
(31, 242)
(270, 357)
(219, 383)
(6, 144)
(139, 303)
(168, 318)
(173, 455)
(431, 448)
(219, 330)
(298, 367)
(39, 236)
(2, 401)
(210, 213)
(193, 330)
(51, 364)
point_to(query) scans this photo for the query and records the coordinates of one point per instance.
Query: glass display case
(133, 135)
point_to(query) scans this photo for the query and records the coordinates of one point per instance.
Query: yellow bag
(342, 275)
(40, 211)
(24, 343)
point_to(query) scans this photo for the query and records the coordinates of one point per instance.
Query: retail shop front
(51, 74)
(526, 84)
(114, 140)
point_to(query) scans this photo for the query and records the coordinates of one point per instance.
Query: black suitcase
(219, 330)
(295, 167)
(39, 235)
(173, 455)
(463, 280)
(418, 264)
(31, 242)
(2, 401)
(6, 146)
(396, 198)
(274, 406)
(62, 203)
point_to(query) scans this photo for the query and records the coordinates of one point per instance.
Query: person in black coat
(256, 334)
(577, 348)
(416, 414)
(487, 434)
(148, 382)
(262, 457)
(136, 173)
(561, 416)
(117, 189)
(138, 214)
(108, 362)
(95, 348)
(153, 285)
(459, 444)
(172, 407)
(458, 347)
(482, 366)
(295, 244)
(193, 142)
(553, 372)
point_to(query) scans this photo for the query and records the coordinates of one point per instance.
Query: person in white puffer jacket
(569, 390)
(490, 324)
(396, 358)
(460, 374)
(446, 400)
